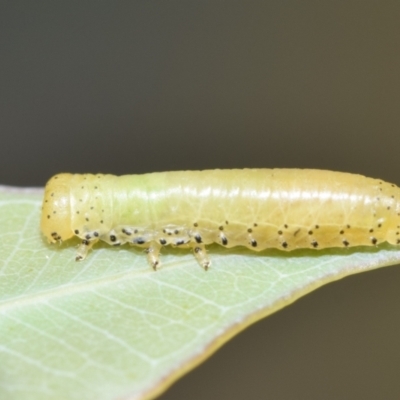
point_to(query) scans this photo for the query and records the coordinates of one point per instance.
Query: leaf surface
(111, 328)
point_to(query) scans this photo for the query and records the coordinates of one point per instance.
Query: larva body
(285, 209)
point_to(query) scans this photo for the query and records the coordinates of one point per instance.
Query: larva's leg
(153, 253)
(84, 248)
(201, 255)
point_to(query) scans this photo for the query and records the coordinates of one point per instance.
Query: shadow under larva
(256, 211)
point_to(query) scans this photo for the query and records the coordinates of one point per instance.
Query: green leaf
(110, 327)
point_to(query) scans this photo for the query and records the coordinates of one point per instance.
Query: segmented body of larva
(285, 209)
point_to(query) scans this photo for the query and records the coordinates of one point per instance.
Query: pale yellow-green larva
(285, 209)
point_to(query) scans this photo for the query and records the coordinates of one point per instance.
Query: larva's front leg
(200, 253)
(84, 248)
(153, 252)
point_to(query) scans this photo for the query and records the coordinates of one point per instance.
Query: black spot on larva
(82, 187)
(101, 221)
(280, 232)
(398, 241)
(126, 232)
(374, 240)
(169, 233)
(314, 243)
(77, 212)
(198, 238)
(197, 249)
(48, 217)
(310, 232)
(348, 226)
(285, 226)
(96, 187)
(76, 232)
(392, 185)
(80, 200)
(85, 242)
(345, 242)
(341, 232)
(56, 177)
(284, 245)
(397, 233)
(296, 232)
(253, 242)
(88, 236)
(87, 219)
(54, 234)
(91, 208)
(176, 231)
(255, 225)
(164, 230)
(316, 226)
(221, 228)
(52, 195)
(371, 230)
(96, 234)
(113, 238)
(388, 207)
(139, 240)
(163, 242)
(195, 224)
(224, 240)
(249, 230)
(117, 244)
(135, 231)
(54, 212)
(179, 242)
(379, 225)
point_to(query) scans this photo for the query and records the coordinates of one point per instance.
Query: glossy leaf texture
(112, 328)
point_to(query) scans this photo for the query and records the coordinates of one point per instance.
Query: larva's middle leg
(84, 248)
(200, 253)
(153, 252)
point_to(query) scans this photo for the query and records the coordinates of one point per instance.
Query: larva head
(56, 211)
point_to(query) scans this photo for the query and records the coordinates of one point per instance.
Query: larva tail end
(56, 212)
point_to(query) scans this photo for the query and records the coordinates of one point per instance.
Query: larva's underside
(285, 209)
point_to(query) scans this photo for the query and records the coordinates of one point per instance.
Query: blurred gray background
(140, 86)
